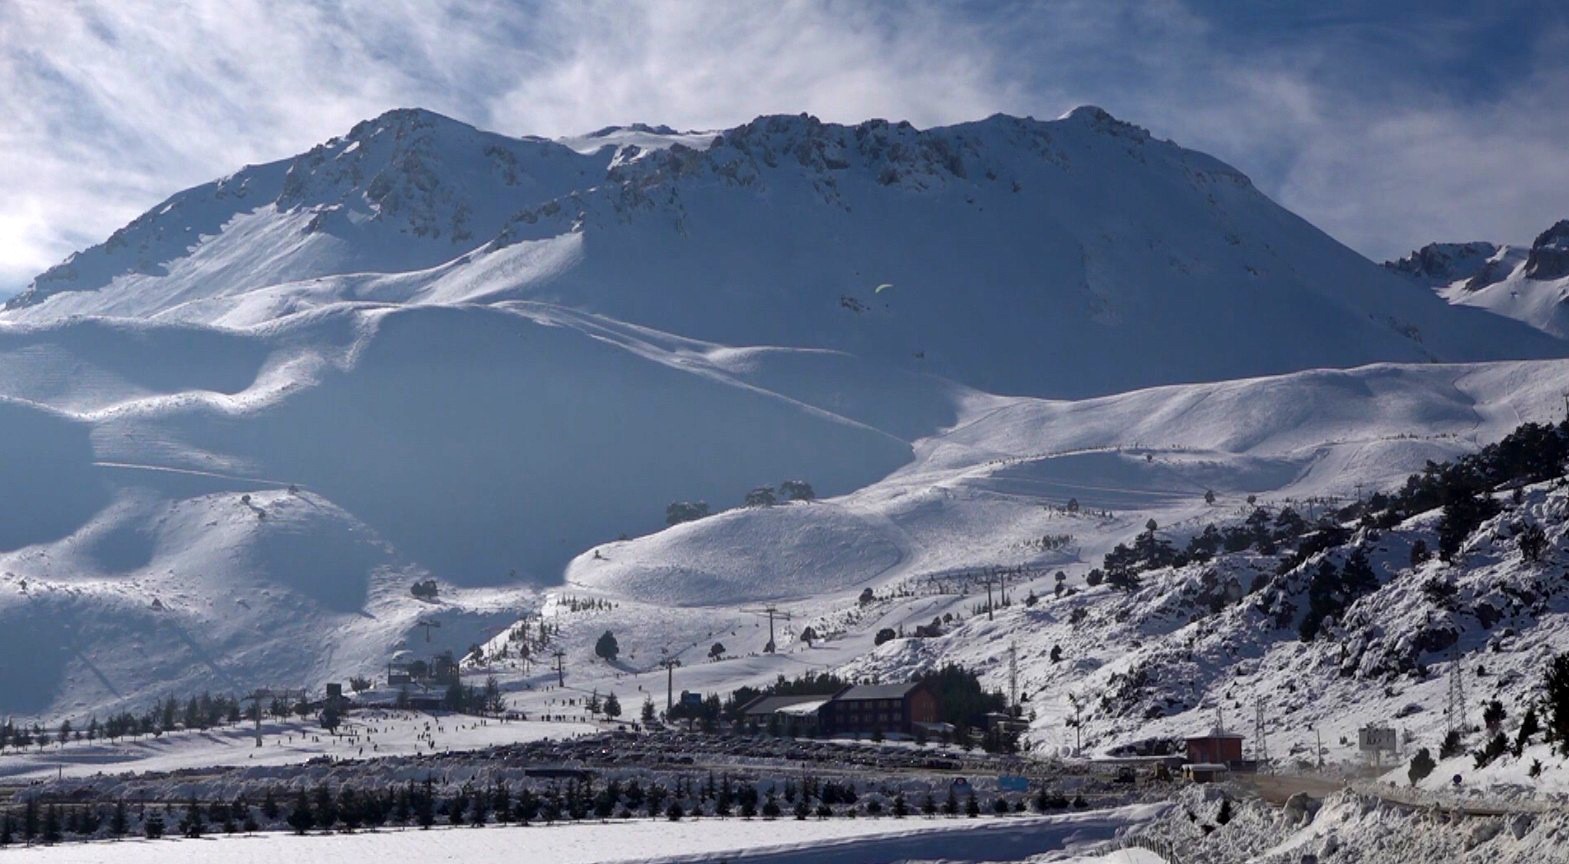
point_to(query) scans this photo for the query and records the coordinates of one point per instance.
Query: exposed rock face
(1446, 263)
(1550, 254)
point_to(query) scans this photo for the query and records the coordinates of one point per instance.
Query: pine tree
(5, 830)
(1555, 686)
(606, 648)
(269, 805)
(479, 809)
(301, 819)
(30, 821)
(152, 826)
(425, 809)
(350, 809)
(325, 808)
(802, 809)
(1529, 726)
(194, 823)
(51, 826)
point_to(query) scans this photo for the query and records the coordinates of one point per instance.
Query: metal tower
(1454, 712)
(1013, 675)
(1260, 742)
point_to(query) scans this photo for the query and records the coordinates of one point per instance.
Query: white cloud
(715, 64)
(111, 105)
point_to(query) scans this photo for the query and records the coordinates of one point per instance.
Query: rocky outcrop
(1446, 263)
(1550, 254)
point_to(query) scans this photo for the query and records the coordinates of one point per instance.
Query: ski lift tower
(772, 612)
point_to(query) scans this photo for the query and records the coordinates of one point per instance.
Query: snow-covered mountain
(242, 426)
(1529, 284)
(1008, 254)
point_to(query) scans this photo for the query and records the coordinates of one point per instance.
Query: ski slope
(366, 734)
(244, 425)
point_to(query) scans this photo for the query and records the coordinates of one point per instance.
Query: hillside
(1528, 284)
(1006, 254)
(242, 428)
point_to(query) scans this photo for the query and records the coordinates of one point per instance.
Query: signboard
(1375, 739)
(1012, 783)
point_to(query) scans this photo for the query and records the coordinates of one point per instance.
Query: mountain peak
(1438, 264)
(405, 118)
(1099, 119)
(1549, 257)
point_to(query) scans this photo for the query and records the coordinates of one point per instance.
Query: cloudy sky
(1387, 123)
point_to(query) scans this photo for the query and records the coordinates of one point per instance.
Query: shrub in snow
(1422, 765)
(797, 490)
(685, 511)
(762, 496)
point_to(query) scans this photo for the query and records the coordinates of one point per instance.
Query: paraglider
(883, 287)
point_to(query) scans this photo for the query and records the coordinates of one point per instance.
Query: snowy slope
(1528, 284)
(984, 493)
(251, 507)
(1018, 252)
(405, 191)
(243, 426)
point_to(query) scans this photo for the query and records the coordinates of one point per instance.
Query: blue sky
(1388, 124)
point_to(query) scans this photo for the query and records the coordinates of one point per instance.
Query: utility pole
(772, 612)
(670, 664)
(561, 672)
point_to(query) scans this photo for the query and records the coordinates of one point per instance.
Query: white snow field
(782, 841)
(1526, 283)
(363, 735)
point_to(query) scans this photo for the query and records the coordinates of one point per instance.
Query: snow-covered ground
(240, 429)
(782, 841)
(363, 735)
(1526, 283)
